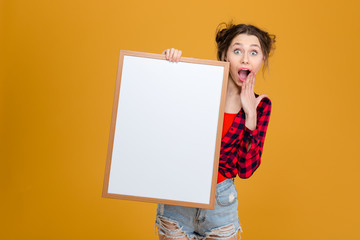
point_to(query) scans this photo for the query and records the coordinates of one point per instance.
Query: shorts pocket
(227, 196)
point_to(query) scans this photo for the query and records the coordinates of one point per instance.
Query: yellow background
(58, 69)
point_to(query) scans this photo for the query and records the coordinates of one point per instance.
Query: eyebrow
(251, 45)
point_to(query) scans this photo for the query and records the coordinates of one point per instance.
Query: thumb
(259, 98)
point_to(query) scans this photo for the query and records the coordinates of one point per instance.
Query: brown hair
(226, 32)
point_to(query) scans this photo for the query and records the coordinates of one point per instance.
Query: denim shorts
(196, 223)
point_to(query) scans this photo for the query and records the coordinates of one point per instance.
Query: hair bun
(222, 32)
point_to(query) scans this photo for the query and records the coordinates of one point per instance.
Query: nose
(244, 59)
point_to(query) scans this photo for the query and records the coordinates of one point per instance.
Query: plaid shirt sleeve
(250, 159)
(235, 159)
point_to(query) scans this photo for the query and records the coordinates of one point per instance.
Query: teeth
(244, 69)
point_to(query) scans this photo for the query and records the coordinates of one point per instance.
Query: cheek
(258, 65)
(233, 70)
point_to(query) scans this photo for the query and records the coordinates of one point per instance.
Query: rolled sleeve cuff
(250, 134)
(251, 137)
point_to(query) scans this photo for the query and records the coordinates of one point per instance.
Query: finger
(165, 52)
(243, 87)
(171, 54)
(168, 54)
(259, 98)
(178, 56)
(252, 82)
(247, 84)
(174, 54)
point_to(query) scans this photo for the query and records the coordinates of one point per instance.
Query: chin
(239, 83)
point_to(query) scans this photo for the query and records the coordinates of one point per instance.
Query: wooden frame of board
(125, 173)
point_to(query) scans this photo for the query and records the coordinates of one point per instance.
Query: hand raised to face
(247, 97)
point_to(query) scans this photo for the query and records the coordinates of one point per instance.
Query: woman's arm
(252, 142)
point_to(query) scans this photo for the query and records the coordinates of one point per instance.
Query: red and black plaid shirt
(235, 159)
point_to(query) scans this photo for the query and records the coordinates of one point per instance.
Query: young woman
(246, 118)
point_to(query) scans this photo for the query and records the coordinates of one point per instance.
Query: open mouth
(243, 73)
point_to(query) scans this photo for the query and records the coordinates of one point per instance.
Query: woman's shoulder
(265, 99)
(264, 104)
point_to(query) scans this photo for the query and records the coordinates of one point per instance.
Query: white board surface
(166, 131)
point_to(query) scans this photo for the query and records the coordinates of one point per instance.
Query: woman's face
(245, 56)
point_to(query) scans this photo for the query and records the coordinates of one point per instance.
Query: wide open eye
(253, 53)
(237, 51)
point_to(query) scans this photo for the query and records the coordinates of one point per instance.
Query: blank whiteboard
(166, 128)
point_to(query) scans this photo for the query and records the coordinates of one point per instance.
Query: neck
(232, 89)
(233, 103)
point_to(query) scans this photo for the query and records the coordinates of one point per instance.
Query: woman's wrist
(250, 121)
